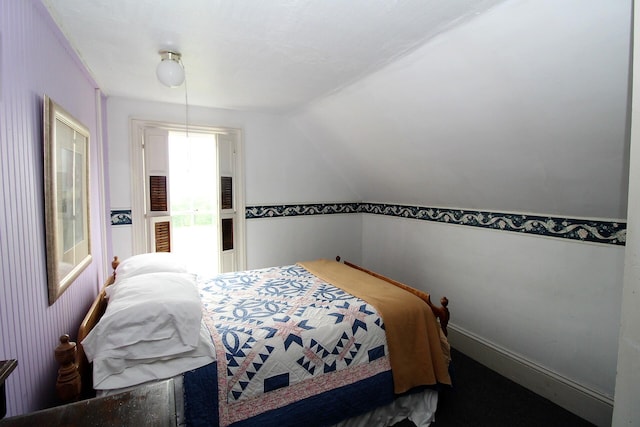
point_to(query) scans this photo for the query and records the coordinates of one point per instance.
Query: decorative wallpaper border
(585, 230)
(275, 211)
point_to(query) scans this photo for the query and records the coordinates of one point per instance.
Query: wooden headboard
(88, 323)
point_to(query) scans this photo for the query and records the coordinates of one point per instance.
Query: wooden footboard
(441, 313)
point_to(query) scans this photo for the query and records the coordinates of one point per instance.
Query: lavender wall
(35, 59)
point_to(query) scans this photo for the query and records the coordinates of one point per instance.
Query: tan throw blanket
(413, 334)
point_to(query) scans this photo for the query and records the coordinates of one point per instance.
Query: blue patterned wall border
(275, 211)
(121, 217)
(585, 230)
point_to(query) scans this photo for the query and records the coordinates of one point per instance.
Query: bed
(304, 344)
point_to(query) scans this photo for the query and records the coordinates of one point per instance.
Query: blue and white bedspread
(283, 336)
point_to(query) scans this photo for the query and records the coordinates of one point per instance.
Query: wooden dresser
(150, 405)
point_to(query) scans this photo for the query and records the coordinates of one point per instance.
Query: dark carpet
(481, 397)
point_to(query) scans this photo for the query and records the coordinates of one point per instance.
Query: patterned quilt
(283, 335)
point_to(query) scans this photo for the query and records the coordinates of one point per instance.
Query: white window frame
(139, 230)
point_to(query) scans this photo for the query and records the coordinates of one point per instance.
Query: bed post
(114, 265)
(442, 312)
(68, 384)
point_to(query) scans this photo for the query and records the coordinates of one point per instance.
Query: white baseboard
(582, 401)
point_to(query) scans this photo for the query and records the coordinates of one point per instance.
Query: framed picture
(66, 198)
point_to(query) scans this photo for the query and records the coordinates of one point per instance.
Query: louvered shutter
(227, 206)
(156, 153)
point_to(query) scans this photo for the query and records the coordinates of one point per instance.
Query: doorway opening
(193, 206)
(188, 194)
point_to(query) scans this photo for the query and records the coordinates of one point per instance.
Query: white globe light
(170, 71)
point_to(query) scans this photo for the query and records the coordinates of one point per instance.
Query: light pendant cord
(186, 103)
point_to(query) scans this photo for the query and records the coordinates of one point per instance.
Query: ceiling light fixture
(170, 71)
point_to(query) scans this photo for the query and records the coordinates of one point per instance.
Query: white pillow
(109, 374)
(151, 307)
(155, 262)
(144, 349)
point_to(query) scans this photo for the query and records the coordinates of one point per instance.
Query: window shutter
(161, 234)
(228, 213)
(226, 190)
(227, 234)
(158, 193)
(158, 215)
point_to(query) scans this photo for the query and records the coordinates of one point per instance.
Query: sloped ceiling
(514, 105)
(249, 54)
(523, 109)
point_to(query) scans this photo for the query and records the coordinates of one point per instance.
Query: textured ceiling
(249, 54)
(516, 106)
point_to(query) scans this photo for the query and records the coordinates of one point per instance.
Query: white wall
(281, 167)
(283, 241)
(626, 410)
(554, 302)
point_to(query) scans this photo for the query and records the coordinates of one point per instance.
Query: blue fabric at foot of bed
(201, 402)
